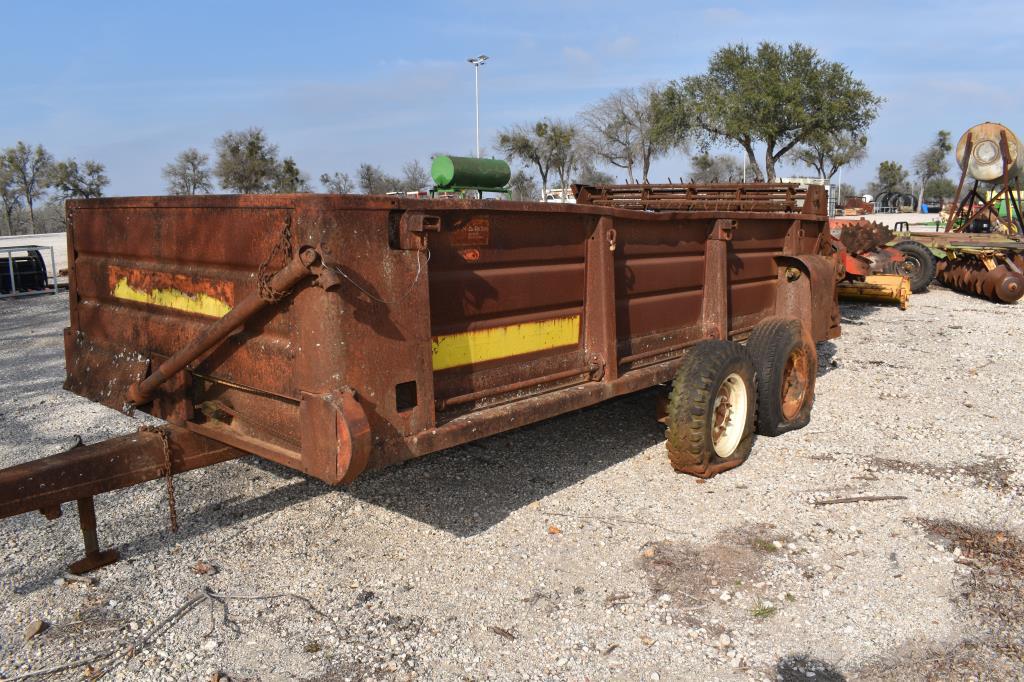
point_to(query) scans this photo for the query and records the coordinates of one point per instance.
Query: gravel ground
(566, 550)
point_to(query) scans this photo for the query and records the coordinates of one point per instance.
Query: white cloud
(577, 55)
(622, 44)
(724, 15)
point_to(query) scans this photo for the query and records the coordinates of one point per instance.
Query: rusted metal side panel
(506, 299)
(424, 319)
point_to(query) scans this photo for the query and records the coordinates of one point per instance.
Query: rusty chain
(168, 472)
(263, 275)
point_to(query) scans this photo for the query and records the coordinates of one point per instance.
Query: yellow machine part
(882, 288)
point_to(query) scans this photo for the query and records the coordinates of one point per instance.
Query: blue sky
(130, 84)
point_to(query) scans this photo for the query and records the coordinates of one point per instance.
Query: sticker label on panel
(475, 231)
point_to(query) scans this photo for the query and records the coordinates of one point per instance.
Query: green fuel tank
(451, 172)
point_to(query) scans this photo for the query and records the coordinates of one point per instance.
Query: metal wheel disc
(730, 415)
(795, 378)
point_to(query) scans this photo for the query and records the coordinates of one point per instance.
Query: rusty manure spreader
(336, 334)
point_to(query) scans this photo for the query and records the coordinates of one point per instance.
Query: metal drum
(985, 162)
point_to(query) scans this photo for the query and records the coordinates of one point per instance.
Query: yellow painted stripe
(200, 303)
(465, 348)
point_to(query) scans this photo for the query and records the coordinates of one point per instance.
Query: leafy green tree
(711, 169)
(338, 183)
(892, 177)
(72, 181)
(941, 189)
(933, 162)
(246, 162)
(30, 170)
(776, 96)
(288, 179)
(529, 144)
(189, 173)
(563, 144)
(10, 198)
(827, 152)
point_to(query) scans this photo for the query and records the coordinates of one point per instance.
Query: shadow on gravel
(826, 357)
(464, 490)
(468, 489)
(988, 587)
(803, 668)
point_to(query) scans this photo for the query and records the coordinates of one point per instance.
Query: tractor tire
(918, 265)
(711, 409)
(786, 361)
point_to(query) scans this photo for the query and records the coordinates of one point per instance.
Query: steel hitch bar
(81, 473)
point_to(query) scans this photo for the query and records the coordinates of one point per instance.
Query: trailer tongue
(333, 334)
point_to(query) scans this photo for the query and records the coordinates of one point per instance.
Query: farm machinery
(337, 334)
(981, 250)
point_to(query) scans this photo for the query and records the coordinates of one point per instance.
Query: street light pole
(477, 62)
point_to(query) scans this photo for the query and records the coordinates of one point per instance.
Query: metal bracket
(93, 558)
(714, 311)
(413, 229)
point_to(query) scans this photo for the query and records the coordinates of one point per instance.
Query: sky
(333, 84)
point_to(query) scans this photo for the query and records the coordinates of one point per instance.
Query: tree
(189, 173)
(246, 162)
(339, 183)
(847, 190)
(74, 182)
(621, 130)
(528, 143)
(30, 170)
(941, 189)
(414, 176)
(892, 177)
(712, 169)
(776, 96)
(589, 174)
(827, 152)
(372, 180)
(562, 142)
(932, 162)
(288, 179)
(523, 187)
(10, 199)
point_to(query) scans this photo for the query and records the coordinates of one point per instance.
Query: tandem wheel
(711, 409)
(786, 361)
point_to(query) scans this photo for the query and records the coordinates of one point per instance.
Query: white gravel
(568, 550)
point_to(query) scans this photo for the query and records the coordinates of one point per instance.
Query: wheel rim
(910, 265)
(730, 415)
(795, 378)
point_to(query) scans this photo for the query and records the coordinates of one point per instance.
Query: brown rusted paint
(338, 376)
(90, 470)
(970, 274)
(714, 313)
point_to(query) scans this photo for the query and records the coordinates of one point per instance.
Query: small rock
(204, 568)
(725, 596)
(34, 628)
(724, 640)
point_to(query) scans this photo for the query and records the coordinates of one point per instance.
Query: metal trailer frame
(51, 276)
(333, 334)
